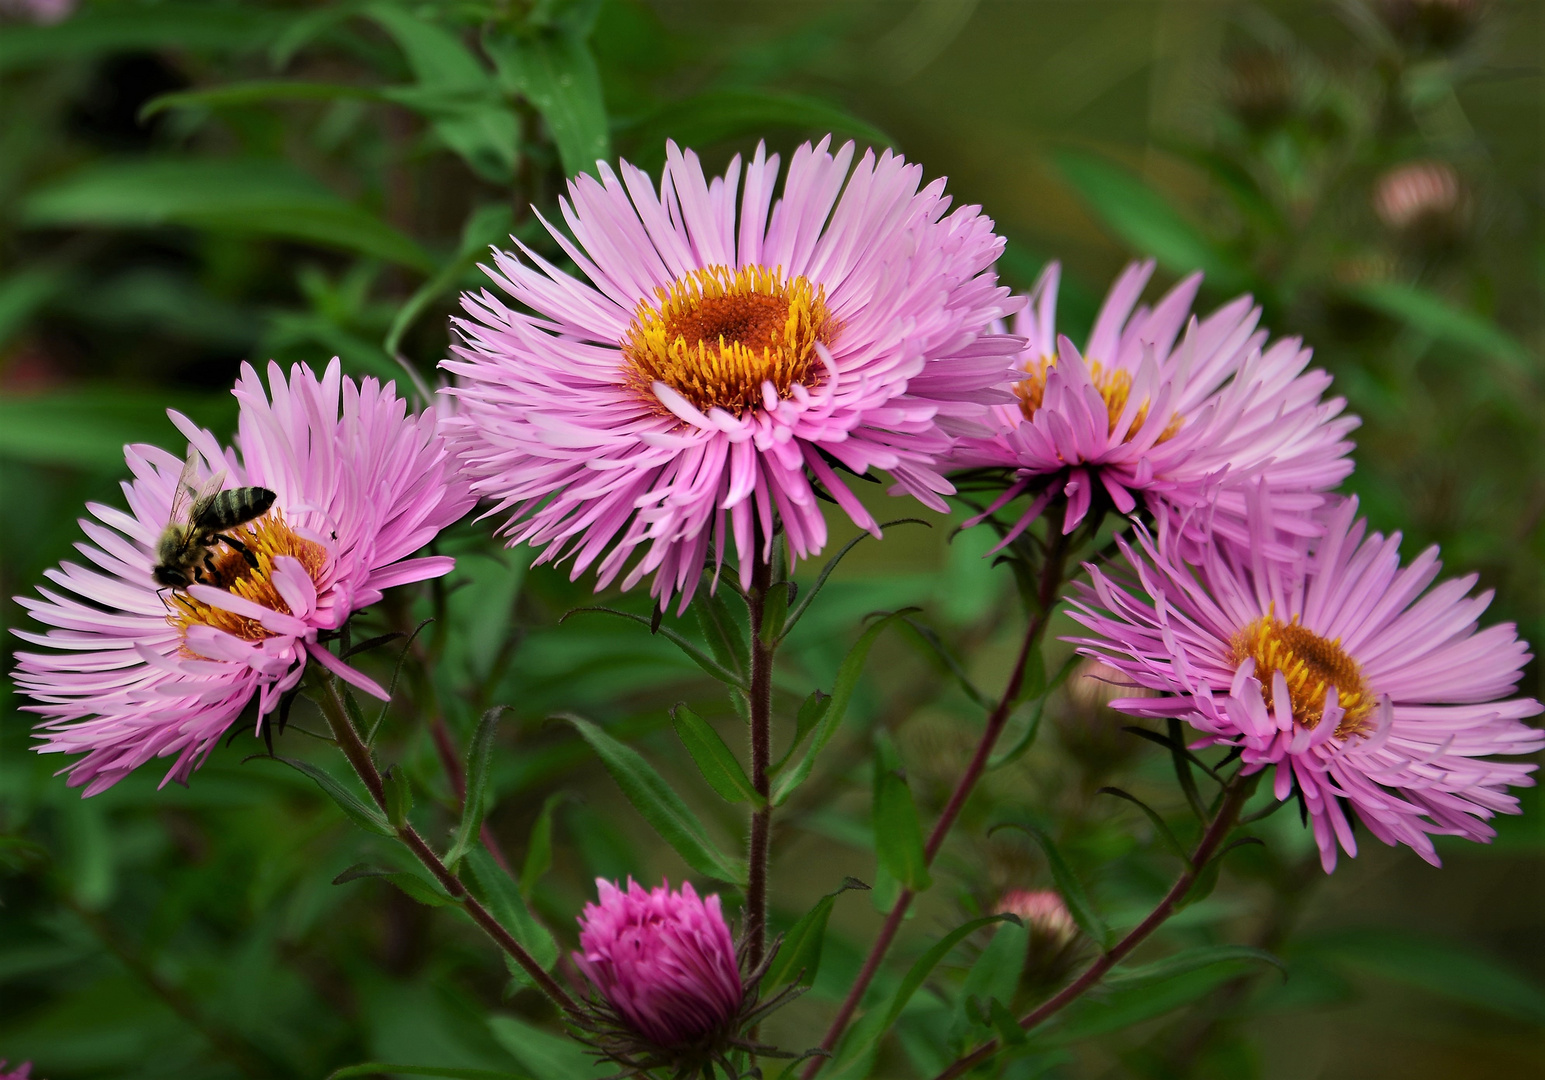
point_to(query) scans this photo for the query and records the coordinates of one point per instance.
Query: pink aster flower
(1146, 410)
(1364, 693)
(21, 1072)
(663, 960)
(136, 671)
(727, 355)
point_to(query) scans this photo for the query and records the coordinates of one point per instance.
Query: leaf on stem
(714, 760)
(412, 885)
(554, 70)
(1160, 828)
(697, 655)
(800, 608)
(1187, 960)
(799, 955)
(502, 896)
(479, 758)
(1023, 738)
(399, 796)
(723, 631)
(931, 639)
(898, 832)
(365, 816)
(1182, 759)
(539, 848)
(994, 977)
(842, 693)
(659, 804)
(1072, 890)
(810, 713)
(486, 226)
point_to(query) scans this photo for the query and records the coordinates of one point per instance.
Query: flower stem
(1049, 592)
(762, 649)
(359, 757)
(1235, 795)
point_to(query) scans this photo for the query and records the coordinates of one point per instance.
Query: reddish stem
(761, 759)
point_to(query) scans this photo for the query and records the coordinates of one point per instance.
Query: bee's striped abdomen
(228, 509)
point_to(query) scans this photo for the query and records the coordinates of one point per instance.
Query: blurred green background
(320, 179)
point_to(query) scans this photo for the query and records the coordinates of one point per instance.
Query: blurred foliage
(187, 185)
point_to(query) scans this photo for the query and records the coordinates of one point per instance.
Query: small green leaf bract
(799, 954)
(366, 817)
(714, 760)
(1072, 890)
(479, 759)
(898, 832)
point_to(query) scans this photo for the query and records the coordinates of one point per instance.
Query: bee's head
(171, 577)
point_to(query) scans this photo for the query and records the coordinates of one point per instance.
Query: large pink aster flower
(663, 960)
(728, 354)
(1146, 410)
(1334, 668)
(137, 671)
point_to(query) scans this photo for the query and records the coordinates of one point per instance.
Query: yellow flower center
(717, 335)
(265, 539)
(1115, 386)
(1310, 665)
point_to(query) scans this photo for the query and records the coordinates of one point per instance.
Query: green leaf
(775, 608)
(1445, 968)
(479, 759)
(717, 116)
(1145, 221)
(1126, 1006)
(697, 655)
(867, 1034)
(1428, 313)
(23, 293)
(399, 796)
(88, 428)
(842, 693)
(714, 760)
(799, 953)
(409, 882)
(539, 848)
(129, 28)
(805, 601)
(898, 833)
(931, 639)
(723, 631)
(995, 975)
(366, 817)
(810, 713)
(1189, 960)
(447, 1072)
(1023, 738)
(252, 196)
(1072, 890)
(1163, 831)
(659, 805)
(255, 92)
(1180, 756)
(502, 895)
(555, 71)
(544, 1055)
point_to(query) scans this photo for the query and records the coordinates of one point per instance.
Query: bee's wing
(206, 496)
(182, 495)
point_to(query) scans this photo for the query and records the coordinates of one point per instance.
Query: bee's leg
(239, 546)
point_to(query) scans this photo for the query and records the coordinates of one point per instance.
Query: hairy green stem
(358, 755)
(762, 649)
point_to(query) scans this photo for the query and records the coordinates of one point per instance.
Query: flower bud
(663, 961)
(1053, 934)
(1260, 87)
(1087, 726)
(1431, 24)
(1423, 200)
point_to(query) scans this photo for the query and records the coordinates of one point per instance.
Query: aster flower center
(1114, 385)
(1310, 665)
(718, 336)
(265, 539)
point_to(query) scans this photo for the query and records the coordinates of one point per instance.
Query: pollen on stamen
(1311, 665)
(266, 538)
(1115, 386)
(717, 335)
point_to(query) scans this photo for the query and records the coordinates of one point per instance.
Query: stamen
(1311, 665)
(1115, 386)
(265, 539)
(717, 335)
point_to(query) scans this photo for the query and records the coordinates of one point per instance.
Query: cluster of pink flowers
(725, 357)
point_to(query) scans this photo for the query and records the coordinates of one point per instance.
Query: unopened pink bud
(663, 960)
(1043, 911)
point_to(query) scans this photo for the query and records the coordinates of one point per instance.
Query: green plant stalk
(762, 650)
(358, 755)
(1235, 796)
(1049, 593)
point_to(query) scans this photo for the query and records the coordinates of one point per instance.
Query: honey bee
(199, 520)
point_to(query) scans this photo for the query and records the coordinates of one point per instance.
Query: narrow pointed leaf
(365, 816)
(659, 805)
(502, 895)
(714, 760)
(1189, 960)
(799, 609)
(724, 633)
(409, 882)
(399, 796)
(1160, 828)
(539, 848)
(479, 760)
(697, 655)
(1072, 890)
(799, 955)
(898, 832)
(810, 713)
(555, 71)
(842, 693)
